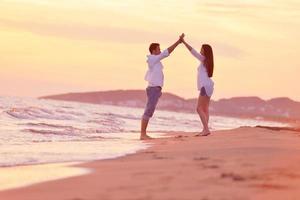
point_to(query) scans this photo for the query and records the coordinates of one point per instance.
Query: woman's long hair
(209, 59)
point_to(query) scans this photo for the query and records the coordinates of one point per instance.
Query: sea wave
(43, 131)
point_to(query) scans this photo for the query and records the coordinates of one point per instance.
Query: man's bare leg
(144, 124)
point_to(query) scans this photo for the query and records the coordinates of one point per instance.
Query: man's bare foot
(145, 137)
(206, 133)
(203, 133)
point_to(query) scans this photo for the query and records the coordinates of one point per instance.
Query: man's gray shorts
(153, 94)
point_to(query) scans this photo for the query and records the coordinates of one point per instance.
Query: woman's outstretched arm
(187, 45)
(193, 51)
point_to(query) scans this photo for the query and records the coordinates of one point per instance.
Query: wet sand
(245, 163)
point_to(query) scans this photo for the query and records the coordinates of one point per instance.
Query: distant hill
(277, 108)
(131, 98)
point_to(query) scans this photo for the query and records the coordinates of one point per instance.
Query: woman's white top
(202, 75)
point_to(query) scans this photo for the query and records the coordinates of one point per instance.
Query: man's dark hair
(153, 46)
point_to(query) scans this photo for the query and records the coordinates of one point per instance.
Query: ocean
(38, 131)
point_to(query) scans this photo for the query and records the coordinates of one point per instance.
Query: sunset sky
(60, 46)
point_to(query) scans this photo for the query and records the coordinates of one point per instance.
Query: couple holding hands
(155, 78)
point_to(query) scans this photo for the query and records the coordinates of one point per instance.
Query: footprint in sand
(232, 176)
(271, 186)
(160, 157)
(201, 158)
(205, 166)
(149, 152)
(247, 165)
(181, 136)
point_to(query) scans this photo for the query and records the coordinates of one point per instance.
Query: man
(155, 78)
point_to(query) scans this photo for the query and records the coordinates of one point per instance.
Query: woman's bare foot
(145, 137)
(198, 134)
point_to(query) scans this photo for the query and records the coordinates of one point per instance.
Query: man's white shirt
(155, 75)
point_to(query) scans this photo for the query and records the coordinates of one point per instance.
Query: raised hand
(181, 37)
(173, 46)
(184, 42)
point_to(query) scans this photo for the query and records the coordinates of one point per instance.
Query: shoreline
(23, 176)
(243, 163)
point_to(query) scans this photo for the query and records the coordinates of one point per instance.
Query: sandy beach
(245, 163)
(83, 85)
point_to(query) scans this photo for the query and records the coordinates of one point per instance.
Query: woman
(204, 82)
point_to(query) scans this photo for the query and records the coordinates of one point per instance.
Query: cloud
(85, 32)
(104, 34)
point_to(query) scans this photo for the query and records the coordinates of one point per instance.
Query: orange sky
(58, 46)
